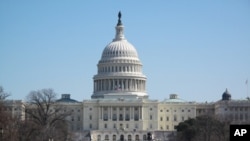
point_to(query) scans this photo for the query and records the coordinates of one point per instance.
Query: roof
(66, 98)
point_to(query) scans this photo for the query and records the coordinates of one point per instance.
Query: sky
(194, 48)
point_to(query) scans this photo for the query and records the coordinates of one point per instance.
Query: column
(111, 110)
(109, 88)
(126, 81)
(133, 112)
(124, 116)
(102, 113)
(130, 113)
(139, 108)
(117, 113)
(100, 85)
(121, 84)
(94, 86)
(99, 109)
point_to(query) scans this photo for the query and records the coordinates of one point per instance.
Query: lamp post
(1, 133)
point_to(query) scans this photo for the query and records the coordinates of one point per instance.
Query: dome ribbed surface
(121, 48)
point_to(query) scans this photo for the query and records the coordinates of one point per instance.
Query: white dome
(120, 48)
(119, 70)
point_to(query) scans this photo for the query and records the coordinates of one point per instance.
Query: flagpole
(247, 89)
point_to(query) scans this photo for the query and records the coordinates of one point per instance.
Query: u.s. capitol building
(119, 108)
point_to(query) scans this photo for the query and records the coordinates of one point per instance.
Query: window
(182, 118)
(105, 125)
(114, 137)
(182, 110)
(129, 138)
(114, 126)
(120, 117)
(167, 127)
(127, 117)
(90, 126)
(151, 117)
(90, 117)
(99, 138)
(175, 118)
(144, 137)
(167, 119)
(114, 117)
(106, 137)
(127, 125)
(137, 137)
(136, 117)
(161, 119)
(105, 117)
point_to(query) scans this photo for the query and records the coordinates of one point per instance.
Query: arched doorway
(122, 138)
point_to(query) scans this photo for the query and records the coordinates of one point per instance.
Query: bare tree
(3, 95)
(48, 116)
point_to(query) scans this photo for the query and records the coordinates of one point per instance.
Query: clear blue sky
(196, 49)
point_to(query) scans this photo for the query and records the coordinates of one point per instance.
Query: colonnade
(119, 85)
(120, 113)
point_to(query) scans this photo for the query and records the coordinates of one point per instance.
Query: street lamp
(1, 133)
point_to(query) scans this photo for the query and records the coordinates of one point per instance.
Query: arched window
(129, 138)
(144, 137)
(137, 137)
(106, 137)
(114, 137)
(99, 138)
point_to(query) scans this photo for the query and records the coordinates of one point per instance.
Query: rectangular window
(175, 118)
(105, 125)
(167, 119)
